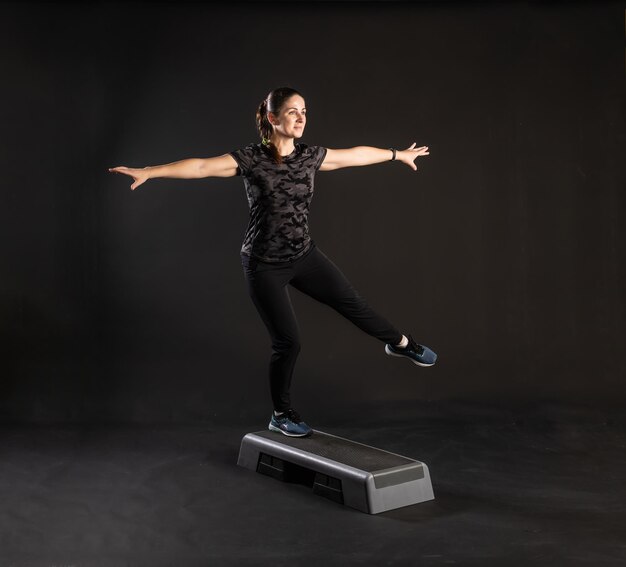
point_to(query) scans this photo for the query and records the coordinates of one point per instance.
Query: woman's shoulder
(312, 154)
(255, 147)
(251, 152)
(307, 149)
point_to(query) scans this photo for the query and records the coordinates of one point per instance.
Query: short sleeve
(243, 157)
(318, 155)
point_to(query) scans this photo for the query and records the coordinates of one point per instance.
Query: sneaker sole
(409, 358)
(277, 429)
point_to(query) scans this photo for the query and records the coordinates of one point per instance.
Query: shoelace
(419, 349)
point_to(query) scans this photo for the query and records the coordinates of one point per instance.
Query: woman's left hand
(409, 155)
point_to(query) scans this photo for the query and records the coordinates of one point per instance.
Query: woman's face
(291, 119)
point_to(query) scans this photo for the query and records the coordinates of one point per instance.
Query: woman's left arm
(368, 155)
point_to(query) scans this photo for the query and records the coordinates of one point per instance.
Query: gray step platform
(354, 474)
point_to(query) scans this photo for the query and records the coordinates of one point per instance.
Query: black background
(504, 252)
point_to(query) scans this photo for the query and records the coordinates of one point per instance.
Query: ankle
(403, 343)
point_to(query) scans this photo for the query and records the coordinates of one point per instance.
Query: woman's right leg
(321, 279)
(267, 286)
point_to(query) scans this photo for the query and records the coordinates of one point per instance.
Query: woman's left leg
(321, 279)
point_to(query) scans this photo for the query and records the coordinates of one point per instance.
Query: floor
(534, 486)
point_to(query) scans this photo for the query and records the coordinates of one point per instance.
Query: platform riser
(381, 491)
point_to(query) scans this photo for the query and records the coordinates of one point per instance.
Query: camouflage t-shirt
(279, 197)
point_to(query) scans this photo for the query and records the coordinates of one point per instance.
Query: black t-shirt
(279, 196)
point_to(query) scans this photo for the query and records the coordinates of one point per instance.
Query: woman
(277, 250)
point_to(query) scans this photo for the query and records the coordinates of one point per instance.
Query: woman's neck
(285, 146)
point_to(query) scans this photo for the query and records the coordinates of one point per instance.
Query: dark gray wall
(504, 252)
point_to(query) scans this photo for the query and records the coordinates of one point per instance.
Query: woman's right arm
(192, 168)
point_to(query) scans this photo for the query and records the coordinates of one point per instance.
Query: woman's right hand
(139, 175)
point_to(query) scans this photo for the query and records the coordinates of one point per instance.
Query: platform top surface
(364, 457)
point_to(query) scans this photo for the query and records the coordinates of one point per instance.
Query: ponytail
(265, 129)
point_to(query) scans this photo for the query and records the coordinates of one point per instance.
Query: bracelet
(394, 154)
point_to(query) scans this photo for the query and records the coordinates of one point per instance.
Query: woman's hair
(273, 102)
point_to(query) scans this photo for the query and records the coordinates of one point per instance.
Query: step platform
(356, 475)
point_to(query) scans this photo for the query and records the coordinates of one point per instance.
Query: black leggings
(317, 276)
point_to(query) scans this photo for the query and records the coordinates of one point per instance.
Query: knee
(288, 346)
(350, 300)
(345, 296)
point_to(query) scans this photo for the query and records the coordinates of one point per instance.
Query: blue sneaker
(418, 354)
(289, 423)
